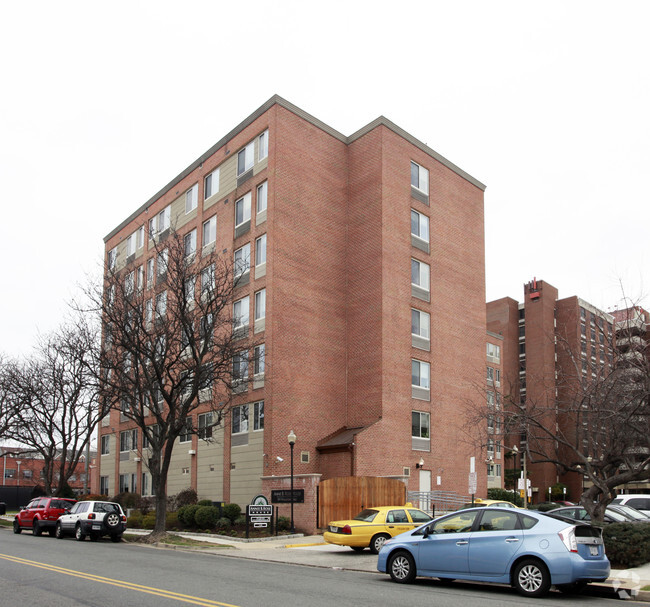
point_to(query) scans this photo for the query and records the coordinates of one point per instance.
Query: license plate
(97, 526)
(334, 529)
(593, 550)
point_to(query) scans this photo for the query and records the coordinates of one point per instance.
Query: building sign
(283, 496)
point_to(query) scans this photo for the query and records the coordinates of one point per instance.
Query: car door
(445, 548)
(397, 522)
(26, 515)
(69, 521)
(494, 543)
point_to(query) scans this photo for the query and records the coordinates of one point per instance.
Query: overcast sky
(546, 103)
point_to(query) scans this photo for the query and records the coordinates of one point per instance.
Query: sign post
(260, 515)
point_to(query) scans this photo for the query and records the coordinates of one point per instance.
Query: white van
(640, 501)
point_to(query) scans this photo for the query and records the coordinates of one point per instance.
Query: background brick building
(350, 239)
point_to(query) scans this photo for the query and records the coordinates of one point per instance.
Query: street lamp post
(514, 452)
(292, 441)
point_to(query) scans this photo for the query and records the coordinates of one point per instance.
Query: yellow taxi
(478, 502)
(373, 526)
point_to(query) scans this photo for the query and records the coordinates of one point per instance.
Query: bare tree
(7, 404)
(54, 399)
(595, 423)
(172, 347)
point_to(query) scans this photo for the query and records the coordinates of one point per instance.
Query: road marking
(194, 600)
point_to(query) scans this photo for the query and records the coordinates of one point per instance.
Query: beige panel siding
(210, 467)
(245, 478)
(176, 480)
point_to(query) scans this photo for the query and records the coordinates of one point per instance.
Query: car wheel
(377, 542)
(17, 528)
(574, 588)
(36, 527)
(358, 548)
(401, 567)
(112, 520)
(58, 531)
(79, 535)
(531, 578)
(116, 538)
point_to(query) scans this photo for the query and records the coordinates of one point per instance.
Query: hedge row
(627, 544)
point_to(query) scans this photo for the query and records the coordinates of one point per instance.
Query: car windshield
(368, 515)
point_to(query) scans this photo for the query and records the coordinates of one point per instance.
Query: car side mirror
(425, 533)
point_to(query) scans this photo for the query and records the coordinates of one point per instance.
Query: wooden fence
(344, 497)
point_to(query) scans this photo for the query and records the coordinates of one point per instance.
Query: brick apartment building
(337, 277)
(538, 369)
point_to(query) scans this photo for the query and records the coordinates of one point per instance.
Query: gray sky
(547, 103)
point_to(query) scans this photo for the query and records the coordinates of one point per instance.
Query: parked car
(41, 514)
(93, 519)
(480, 503)
(373, 526)
(529, 550)
(630, 512)
(579, 513)
(639, 501)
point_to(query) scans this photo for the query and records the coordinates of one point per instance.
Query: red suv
(41, 514)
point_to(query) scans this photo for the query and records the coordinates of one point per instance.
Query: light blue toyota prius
(532, 551)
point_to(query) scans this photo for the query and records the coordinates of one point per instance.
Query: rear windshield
(106, 507)
(366, 515)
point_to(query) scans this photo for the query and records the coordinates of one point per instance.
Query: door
(425, 487)
(494, 543)
(446, 548)
(397, 522)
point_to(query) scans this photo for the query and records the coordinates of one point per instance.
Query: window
(258, 363)
(161, 304)
(490, 374)
(420, 274)
(160, 222)
(209, 231)
(207, 279)
(145, 484)
(419, 177)
(420, 374)
(211, 184)
(494, 352)
(148, 311)
(240, 419)
(186, 433)
(150, 265)
(139, 273)
(258, 415)
(262, 195)
(240, 312)
(420, 424)
(131, 245)
(260, 304)
(245, 159)
(103, 485)
(191, 198)
(205, 425)
(189, 242)
(129, 284)
(163, 258)
(190, 287)
(419, 225)
(242, 260)
(128, 440)
(243, 210)
(112, 258)
(206, 327)
(106, 444)
(260, 250)
(146, 443)
(263, 145)
(420, 322)
(240, 367)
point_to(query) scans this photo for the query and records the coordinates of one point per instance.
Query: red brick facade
(338, 304)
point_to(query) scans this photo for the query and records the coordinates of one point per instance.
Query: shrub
(187, 497)
(627, 544)
(126, 499)
(206, 517)
(240, 520)
(497, 493)
(231, 511)
(186, 514)
(204, 502)
(149, 521)
(223, 524)
(145, 505)
(135, 520)
(284, 523)
(171, 521)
